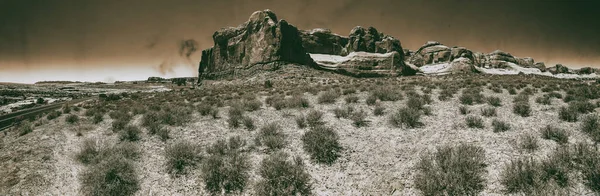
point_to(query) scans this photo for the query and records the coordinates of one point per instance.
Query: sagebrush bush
(500, 126)
(488, 112)
(522, 109)
(314, 118)
(379, 110)
(406, 117)
(351, 99)
(521, 175)
(471, 96)
(521, 98)
(386, 94)
(452, 171)
(25, 127)
(248, 123)
(283, 177)
(590, 125)
(474, 122)
(130, 133)
(204, 109)
(301, 121)
(359, 119)
(322, 144)
(235, 116)
(88, 152)
(528, 142)
(72, 119)
(113, 176)
(53, 115)
(118, 125)
(464, 110)
(182, 156)
(227, 167)
(252, 105)
(343, 112)
(544, 100)
(328, 97)
(371, 100)
(583, 107)
(494, 101)
(553, 133)
(97, 118)
(271, 136)
(567, 114)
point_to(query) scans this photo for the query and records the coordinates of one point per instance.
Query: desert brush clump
(113, 176)
(452, 170)
(471, 96)
(522, 108)
(182, 156)
(110, 169)
(379, 110)
(386, 94)
(25, 127)
(281, 176)
(328, 97)
(314, 118)
(528, 142)
(590, 125)
(130, 133)
(474, 122)
(322, 144)
(72, 119)
(568, 114)
(227, 166)
(406, 117)
(488, 112)
(494, 101)
(271, 136)
(500, 126)
(558, 135)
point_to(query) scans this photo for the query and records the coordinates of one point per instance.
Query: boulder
(525, 62)
(260, 43)
(559, 68)
(540, 65)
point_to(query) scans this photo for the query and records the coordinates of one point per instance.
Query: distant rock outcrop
(260, 43)
(559, 69)
(434, 52)
(263, 43)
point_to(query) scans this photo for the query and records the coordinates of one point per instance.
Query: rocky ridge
(265, 43)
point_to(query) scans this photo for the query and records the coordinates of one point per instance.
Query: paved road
(8, 120)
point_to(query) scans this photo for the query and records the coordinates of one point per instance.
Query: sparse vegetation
(130, 133)
(283, 177)
(522, 109)
(452, 171)
(567, 114)
(553, 133)
(474, 122)
(488, 112)
(25, 128)
(528, 142)
(72, 119)
(322, 144)
(314, 118)
(379, 110)
(181, 156)
(494, 101)
(500, 126)
(328, 97)
(590, 125)
(227, 167)
(464, 110)
(271, 136)
(406, 117)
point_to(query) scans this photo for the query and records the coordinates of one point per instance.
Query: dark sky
(126, 39)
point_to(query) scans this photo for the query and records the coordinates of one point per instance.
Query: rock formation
(260, 43)
(263, 43)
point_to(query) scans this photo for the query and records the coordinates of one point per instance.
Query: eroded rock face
(263, 43)
(540, 65)
(323, 41)
(558, 69)
(434, 53)
(260, 43)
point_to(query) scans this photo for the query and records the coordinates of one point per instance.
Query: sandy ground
(376, 160)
